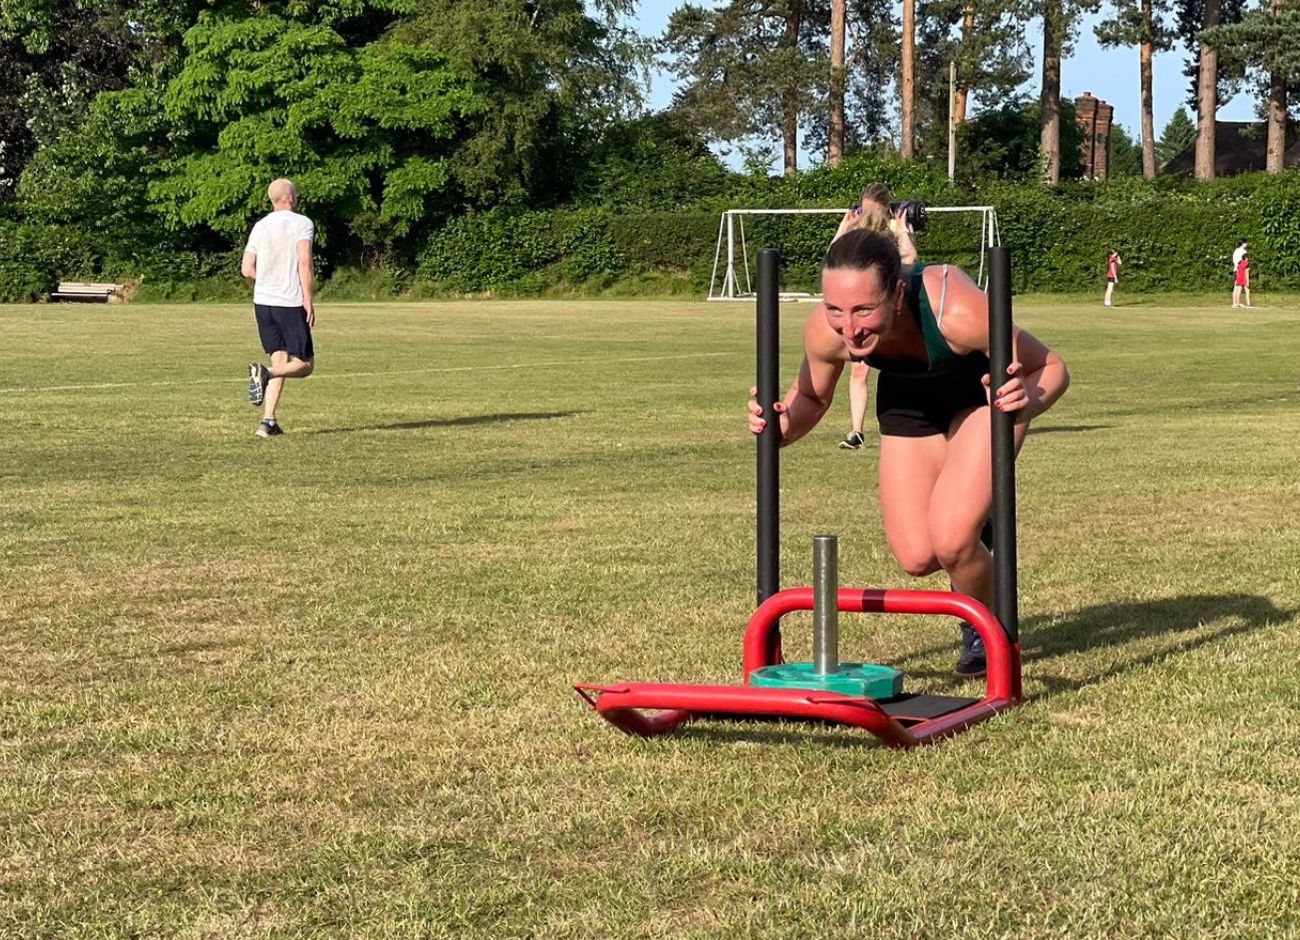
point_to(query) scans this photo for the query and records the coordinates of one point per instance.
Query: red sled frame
(650, 709)
(905, 721)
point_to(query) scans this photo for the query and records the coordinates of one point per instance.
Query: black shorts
(921, 406)
(284, 329)
(1111, 280)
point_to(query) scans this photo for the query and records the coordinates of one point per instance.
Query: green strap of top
(936, 347)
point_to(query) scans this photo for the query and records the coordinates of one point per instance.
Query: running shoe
(852, 441)
(258, 376)
(971, 661)
(268, 429)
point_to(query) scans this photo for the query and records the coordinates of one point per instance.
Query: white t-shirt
(274, 240)
(1236, 258)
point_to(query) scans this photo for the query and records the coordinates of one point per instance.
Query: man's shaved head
(281, 190)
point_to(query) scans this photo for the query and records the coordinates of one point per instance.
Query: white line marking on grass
(357, 375)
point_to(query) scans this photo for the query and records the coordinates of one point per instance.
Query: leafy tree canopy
(1266, 41)
(1004, 142)
(552, 77)
(748, 65)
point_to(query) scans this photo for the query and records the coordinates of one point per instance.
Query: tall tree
(1178, 133)
(907, 83)
(986, 38)
(1277, 88)
(1049, 100)
(751, 68)
(838, 31)
(874, 27)
(1140, 22)
(1212, 76)
(1268, 42)
(1207, 104)
(1060, 19)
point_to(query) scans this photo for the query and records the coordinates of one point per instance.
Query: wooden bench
(83, 292)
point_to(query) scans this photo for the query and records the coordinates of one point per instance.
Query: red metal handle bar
(1003, 680)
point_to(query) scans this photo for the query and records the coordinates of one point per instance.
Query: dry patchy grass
(318, 686)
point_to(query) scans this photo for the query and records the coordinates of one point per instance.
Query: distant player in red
(1112, 275)
(1242, 280)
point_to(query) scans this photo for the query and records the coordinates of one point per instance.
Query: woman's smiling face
(859, 307)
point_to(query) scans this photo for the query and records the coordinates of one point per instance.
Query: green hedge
(1175, 235)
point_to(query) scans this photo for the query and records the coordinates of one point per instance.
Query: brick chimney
(1094, 117)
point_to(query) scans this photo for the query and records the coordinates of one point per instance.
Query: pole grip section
(826, 610)
(1004, 446)
(769, 441)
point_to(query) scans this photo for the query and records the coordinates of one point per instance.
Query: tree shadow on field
(1069, 428)
(1181, 624)
(463, 421)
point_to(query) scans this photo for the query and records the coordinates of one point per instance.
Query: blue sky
(1110, 74)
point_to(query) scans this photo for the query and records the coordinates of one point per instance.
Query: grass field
(319, 686)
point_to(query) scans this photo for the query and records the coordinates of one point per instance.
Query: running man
(927, 334)
(278, 261)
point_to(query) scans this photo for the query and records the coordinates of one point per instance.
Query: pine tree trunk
(959, 109)
(1206, 99)
(1049, 145)
(790, 141)
(790, 105)
(963, 85)
(907, 147)
(836, 153)
(1276, 114)
(1148, 121)
(1276, 123)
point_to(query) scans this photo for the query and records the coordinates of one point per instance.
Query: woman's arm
(811, 393)
(903, 235)
(849, 221)
(1038, 375)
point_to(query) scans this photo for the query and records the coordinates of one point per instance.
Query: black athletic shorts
(285, 328)
(919, 406)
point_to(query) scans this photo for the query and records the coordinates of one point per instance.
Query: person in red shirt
(1112, 276)
(1242, 281)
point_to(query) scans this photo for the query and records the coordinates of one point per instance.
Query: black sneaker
(971, 662)
(268, 429)
(852, 441)
(258, 376)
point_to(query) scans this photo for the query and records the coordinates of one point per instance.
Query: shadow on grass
(1069, 428)
(1184, 623)
(464, 421)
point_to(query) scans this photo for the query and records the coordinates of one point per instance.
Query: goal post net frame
(737, 283)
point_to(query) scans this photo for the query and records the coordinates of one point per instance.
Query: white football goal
(967, 234)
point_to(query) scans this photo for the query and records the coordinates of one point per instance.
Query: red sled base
(650, 709)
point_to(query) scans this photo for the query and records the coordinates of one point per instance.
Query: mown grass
(319, 686)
